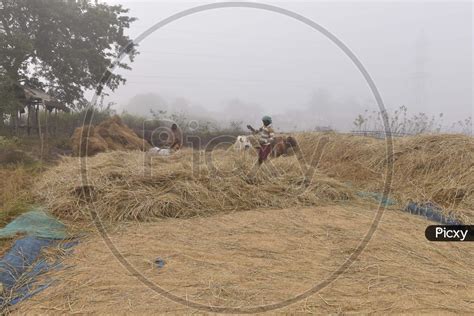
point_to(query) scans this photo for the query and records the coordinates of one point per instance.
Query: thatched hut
(32, 100)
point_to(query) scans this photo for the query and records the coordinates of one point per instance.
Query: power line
(230, 36)
(197, 80)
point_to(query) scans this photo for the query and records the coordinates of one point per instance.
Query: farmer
(266, 137)
(176, 138)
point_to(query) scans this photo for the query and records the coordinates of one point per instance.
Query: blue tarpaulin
(428, 210)
(431, 212)
(21, 266)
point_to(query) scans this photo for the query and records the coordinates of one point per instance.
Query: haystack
(431, 168)
(86, 142)
(125, 185)
(111, 134)
(426, 168)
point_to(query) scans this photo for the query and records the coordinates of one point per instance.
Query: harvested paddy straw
(129, 186)
(264, 257)
(427, 168)
(111, 134)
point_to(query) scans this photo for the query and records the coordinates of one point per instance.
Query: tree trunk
(47, 117)
(2, 123)
(55, 128)
(20, 133)
(37, 122)
(16, 123)
(28, 120)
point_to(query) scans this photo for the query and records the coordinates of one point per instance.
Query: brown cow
(283, 145)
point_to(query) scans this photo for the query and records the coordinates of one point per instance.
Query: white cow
(242, 143)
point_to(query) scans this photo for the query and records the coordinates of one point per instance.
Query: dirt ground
(246, 259)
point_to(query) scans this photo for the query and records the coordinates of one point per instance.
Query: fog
(239, 64)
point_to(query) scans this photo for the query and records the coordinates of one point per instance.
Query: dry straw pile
(427, 168)
(265, 257)
(127, 185)
(111, 134)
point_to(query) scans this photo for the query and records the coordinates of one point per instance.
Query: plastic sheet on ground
(431, 212)
(428, 210)
(36, 223)
(22, 265)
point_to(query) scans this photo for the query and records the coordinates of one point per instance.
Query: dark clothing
(263, 152)
(176, 140)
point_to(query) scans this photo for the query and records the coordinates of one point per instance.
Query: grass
(21, 163)
(16, 197)
(15, 187)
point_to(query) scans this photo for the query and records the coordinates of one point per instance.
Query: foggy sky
(418, 53)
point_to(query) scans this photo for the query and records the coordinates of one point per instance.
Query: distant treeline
(61, 125)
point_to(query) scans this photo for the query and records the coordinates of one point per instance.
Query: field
(230, 236)
(133, 167)
(263, 257)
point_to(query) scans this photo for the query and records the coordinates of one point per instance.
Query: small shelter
(33, 99)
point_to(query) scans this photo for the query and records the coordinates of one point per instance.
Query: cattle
(242, 143)
(284, 146)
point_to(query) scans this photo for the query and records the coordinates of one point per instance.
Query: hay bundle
(125, 185)
(111, 134)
